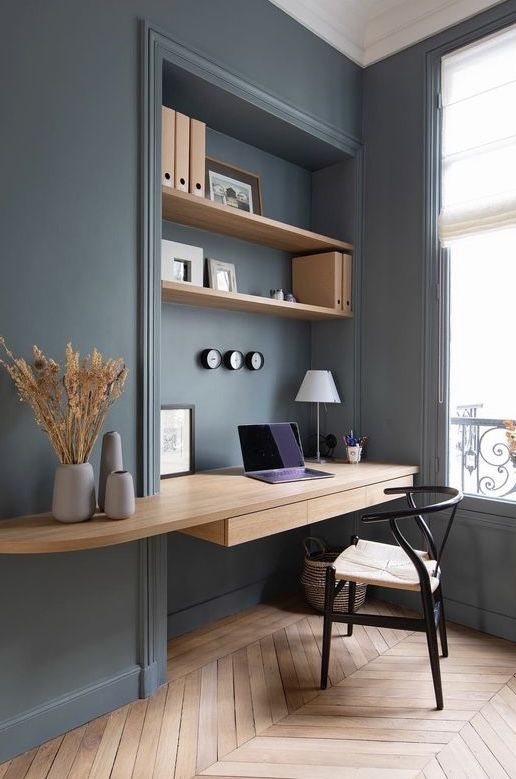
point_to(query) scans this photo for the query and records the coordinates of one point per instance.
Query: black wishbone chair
(399, 567)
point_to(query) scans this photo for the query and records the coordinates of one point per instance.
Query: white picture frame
(222, 275)
(176, 440)
(182, 263)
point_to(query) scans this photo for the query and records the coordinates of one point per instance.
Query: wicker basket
(313, 578)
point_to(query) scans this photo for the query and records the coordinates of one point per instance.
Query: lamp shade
(318, 387)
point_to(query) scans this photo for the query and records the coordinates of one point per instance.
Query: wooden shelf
(193, 501)
(175, 292)
(199, 212)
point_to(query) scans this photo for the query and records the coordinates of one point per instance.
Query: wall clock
(233, 360)
(211, 358)
(254, 361)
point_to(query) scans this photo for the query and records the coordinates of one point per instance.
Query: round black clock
(254, 361)
(211, 358)
(233, 360)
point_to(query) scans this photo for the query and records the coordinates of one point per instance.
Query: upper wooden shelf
(202, 213)
(191, 501)
(175, 292)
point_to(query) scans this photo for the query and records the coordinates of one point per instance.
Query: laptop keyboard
(293, 474)
(286, 474)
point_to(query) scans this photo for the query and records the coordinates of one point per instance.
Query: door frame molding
(157, 47)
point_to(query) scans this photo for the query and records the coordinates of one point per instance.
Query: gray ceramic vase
(74, 493)
(110, 460)
(120, 502)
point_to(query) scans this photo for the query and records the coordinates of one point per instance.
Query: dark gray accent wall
(479, 562)
(69, 156)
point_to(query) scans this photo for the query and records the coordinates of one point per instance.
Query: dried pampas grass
(71, 406)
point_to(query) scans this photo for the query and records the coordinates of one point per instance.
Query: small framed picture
(232, 186)
(177, 440)
(182, 262)
(222, 275)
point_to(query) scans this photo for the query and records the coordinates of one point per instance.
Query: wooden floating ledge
(176, 292)
(199, 212)
(186, 502)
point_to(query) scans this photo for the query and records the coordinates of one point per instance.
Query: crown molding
(345, 32)
(366, 35)
(408, 23)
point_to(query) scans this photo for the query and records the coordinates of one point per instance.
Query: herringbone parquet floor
(243, 701)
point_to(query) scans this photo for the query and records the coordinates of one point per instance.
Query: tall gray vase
(110, 460)
(74, 493)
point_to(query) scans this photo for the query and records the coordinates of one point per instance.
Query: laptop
(273, 453)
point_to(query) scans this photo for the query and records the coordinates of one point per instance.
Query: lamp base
(317, 460)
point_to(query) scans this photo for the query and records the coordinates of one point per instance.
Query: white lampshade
(318, 387)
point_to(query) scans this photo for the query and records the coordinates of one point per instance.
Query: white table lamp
(318, 387)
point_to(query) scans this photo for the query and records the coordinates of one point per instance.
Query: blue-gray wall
(480, 575)
(223, 399)
(239, 577)
(69, 156)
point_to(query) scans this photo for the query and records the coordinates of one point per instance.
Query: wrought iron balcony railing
(480, 459)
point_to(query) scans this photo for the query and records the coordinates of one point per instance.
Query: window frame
(436, 287)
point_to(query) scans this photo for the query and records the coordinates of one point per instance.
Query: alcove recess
(308, 186)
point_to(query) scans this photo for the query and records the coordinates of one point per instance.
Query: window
(478, 228)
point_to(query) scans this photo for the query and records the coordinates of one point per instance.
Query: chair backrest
(418, 513)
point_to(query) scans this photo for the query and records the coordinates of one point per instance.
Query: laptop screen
(267, 447)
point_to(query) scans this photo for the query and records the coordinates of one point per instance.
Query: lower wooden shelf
(175, 292)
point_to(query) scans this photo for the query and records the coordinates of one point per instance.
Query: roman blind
(479, 137)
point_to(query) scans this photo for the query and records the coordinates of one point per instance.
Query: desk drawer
(336, 504)
(375, 492)
(265, 523)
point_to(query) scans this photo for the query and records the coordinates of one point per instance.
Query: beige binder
(168, 131)
(347, 279)
(317, 279)
(182, 159)
(197, 157)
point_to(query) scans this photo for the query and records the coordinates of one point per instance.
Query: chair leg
(351, 604)
(433, 648)
(442, 625)
(328, 607)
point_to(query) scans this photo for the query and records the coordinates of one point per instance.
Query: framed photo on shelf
(177, 439)
(232, 186)
(182, 262)
(222, 275)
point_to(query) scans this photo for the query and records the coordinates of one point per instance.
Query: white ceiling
(370, 30)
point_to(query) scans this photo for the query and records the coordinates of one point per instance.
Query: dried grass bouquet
(71, 406)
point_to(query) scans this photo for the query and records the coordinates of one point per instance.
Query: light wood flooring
(243, 701)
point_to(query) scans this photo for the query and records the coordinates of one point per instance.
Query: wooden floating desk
(221, 506)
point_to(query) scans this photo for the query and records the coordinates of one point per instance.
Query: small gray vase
(74, 493)
(120, 502)
(110, 460)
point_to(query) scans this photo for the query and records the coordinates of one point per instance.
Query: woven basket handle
(313, 540)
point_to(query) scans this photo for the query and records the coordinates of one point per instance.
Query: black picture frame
(167, 463)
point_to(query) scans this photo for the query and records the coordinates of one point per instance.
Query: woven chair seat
(383, 565)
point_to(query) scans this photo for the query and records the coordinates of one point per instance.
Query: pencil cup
(354, 453)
